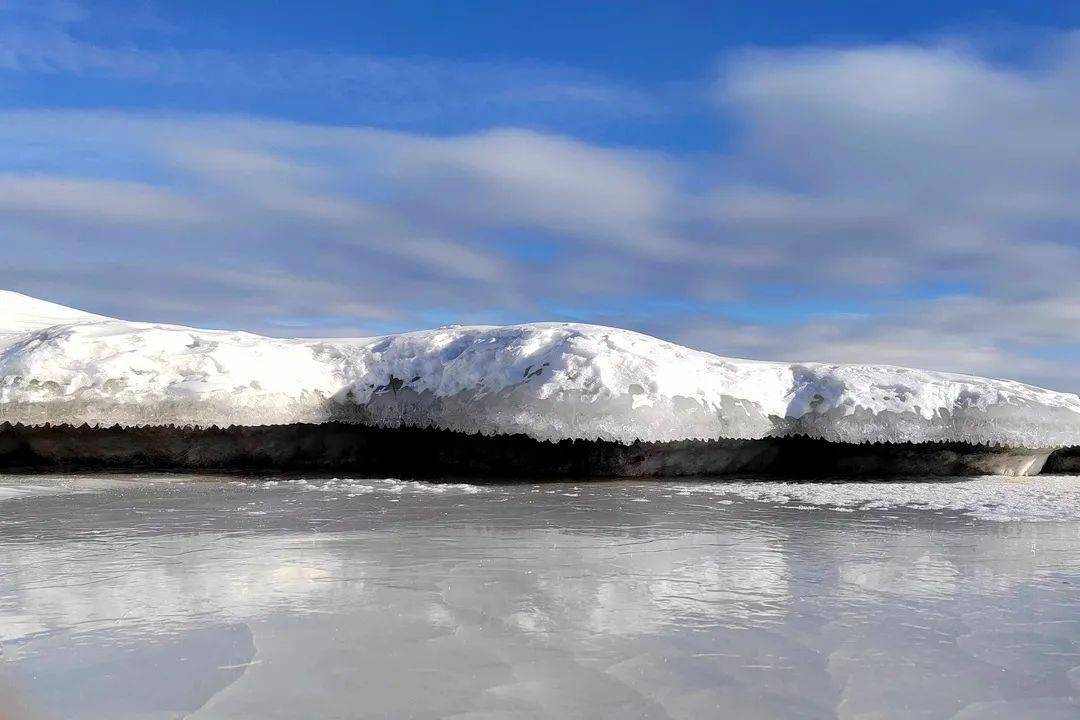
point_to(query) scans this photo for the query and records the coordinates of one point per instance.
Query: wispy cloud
(42, 40)
(93, 201)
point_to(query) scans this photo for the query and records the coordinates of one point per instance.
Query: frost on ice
(547, 380)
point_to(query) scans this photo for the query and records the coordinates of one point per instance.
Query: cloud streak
(46, 40)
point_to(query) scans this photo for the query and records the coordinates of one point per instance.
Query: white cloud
(104, 201)
(521, 178)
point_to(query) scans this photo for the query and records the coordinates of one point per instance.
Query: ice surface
(547, 380)
(208, 599)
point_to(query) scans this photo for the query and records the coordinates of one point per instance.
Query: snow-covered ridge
(548, 380)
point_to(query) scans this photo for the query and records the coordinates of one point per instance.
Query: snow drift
(549, 381)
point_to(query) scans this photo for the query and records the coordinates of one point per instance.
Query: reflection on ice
(927, 575)
(644, 586)
(176, 580)
(342, 597)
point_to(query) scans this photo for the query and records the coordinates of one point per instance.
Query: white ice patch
(547, 380)
(1001, 499)
(385, 486)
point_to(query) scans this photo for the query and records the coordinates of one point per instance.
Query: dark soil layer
(427, 452)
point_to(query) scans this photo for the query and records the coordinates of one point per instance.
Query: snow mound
(547, 380)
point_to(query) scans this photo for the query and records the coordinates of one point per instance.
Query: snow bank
(547, 380)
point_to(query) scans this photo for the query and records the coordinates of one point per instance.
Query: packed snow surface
(547, 380)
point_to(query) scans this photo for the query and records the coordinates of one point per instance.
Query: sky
(835, 181)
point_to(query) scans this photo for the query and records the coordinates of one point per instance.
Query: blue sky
(626, 72)
(850, 182)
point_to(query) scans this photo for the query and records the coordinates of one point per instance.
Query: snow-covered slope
(548, 380)
(19, 313)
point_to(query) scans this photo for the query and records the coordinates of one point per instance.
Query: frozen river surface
(208, 597)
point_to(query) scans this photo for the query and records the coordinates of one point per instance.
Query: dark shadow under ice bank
(428, 452)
